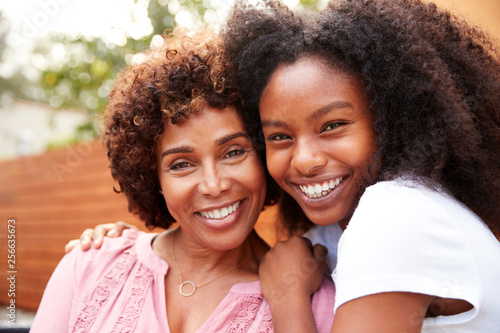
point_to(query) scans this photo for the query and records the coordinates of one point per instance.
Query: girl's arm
(289, 274)
(96, 236)
(292, 271)
(383, 312)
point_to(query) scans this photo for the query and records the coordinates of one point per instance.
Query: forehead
(210, 122)
(309, 84)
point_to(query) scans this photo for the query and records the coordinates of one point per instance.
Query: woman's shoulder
(110, 245)
(322, 304)
(113, 250)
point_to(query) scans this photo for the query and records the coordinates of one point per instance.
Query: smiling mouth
(319, 190)
(220, 213)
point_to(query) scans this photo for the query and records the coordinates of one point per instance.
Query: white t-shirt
(406, 237)
(328, 236)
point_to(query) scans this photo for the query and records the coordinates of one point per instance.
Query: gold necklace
(194, 287)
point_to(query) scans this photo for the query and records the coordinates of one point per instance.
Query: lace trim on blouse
(246, 313)
(266, 325)
(116, 277)
(112, 281)
(133, 307)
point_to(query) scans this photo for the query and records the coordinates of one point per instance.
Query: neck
(195, 260)
(191, 256)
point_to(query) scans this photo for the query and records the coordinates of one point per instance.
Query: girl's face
(211, 177)
(319, 137)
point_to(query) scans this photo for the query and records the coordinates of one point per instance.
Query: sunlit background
(65, 54)
(58, 59)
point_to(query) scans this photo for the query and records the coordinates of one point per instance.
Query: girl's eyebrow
(328, 108)
(317, 114)
(218, 142)
(273, 123)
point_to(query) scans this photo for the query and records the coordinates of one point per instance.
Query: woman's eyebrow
(177, 150)
(227, 138)
(218, 142)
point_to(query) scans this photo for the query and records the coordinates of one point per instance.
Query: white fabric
(405, 237)
(329, 237)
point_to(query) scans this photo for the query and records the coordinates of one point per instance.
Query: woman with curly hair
(180, 152)
(381, 119)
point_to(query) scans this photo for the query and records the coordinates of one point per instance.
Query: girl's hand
(289, 274)
(97, 235)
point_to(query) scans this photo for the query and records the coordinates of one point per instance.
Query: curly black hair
(433, 81)
(172, 84)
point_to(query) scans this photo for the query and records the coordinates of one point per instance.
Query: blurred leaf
(78, 71)
(50, 79)
(312, 5)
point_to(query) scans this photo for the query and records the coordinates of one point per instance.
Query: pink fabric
(120, 288)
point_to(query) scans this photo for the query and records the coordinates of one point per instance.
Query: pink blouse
(120, 288)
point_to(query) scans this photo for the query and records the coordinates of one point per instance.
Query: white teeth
(220, 213)
(320, 189)
(310, 190)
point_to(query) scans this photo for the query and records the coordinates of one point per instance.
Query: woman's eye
(179, 166)
(235, 152)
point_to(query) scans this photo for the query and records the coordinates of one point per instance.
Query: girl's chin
(328, 217)
(320, 219)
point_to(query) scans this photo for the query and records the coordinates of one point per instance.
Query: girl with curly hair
(381, 121)
(180, 152)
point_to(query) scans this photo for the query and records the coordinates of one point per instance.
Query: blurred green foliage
(82, 74)
(78, 71)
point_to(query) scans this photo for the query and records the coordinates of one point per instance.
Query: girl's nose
(307, 158)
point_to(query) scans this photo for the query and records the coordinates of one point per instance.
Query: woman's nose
(213, 183)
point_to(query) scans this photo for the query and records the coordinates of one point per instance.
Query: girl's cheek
(277, 168)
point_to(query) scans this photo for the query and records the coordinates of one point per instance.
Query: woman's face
(212, 179)
(319, 137)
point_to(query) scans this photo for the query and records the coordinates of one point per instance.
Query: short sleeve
(55, 308)
(400, 239)
(73, 277)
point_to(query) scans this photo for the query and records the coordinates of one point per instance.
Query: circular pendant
(188, 293)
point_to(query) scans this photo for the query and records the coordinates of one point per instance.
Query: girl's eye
(179, 166)
(278, 137)
(235, 152)
(330, 127)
